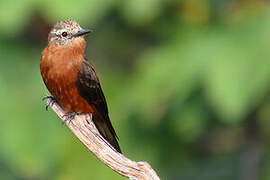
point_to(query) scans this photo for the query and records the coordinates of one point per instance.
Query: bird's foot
(50, 101)
(69, 117)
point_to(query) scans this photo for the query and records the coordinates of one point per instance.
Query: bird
(71, 78)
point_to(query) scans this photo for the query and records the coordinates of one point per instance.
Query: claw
(69, 117)
(50, 101)
(47, 97)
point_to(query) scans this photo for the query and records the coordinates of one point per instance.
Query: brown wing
(89, 88)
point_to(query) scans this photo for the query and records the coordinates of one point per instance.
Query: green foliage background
(187, 83)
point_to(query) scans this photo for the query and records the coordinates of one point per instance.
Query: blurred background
(187, 84)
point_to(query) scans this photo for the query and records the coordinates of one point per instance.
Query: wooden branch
(83, 127)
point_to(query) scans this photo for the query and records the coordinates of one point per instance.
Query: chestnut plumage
(72, 80)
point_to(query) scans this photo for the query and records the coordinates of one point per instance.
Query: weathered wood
(83, 127)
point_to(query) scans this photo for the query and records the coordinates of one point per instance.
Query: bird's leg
(50, 101)
(68, 117)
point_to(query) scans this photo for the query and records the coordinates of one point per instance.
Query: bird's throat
(77, 47)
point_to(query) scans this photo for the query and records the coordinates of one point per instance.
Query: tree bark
(84, 129)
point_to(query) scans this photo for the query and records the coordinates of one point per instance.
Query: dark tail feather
(105, 128)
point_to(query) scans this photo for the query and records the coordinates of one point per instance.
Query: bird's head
(65, 32)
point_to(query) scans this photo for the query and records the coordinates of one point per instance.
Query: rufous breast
(59, 68)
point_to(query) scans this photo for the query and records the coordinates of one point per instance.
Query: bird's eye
(64, 34)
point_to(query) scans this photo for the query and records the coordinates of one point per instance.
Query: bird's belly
(71, 100)
(63, 88)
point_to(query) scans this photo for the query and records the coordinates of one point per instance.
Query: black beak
(82, 32)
